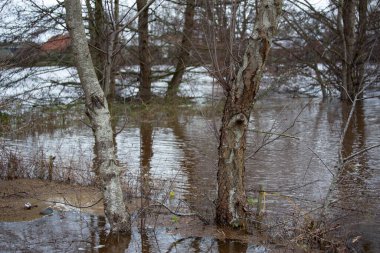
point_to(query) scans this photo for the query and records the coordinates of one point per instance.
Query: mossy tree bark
(231, 202)
(97, 110)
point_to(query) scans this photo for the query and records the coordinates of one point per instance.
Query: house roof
(57, 43)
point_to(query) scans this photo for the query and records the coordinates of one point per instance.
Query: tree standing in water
(241, 91)
(97, 111)
(183, 56)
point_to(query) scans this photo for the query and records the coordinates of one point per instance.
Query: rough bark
(231, 202)
(144, 52)
(99, 115)
(184, 52)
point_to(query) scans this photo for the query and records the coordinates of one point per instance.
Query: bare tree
(241, 91)
(144, 52)
(103, 22)
(354, 55)
(184, 51)
(335, 42)
(99, 115)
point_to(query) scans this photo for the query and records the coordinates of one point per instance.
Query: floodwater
(292, 153)
(80, 232)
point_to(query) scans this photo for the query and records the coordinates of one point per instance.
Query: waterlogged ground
(75, 232)
(171, 156)
(78, 224)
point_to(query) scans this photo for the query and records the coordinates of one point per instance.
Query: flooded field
(171, 157)
(74, 232)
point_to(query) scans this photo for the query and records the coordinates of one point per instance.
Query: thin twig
(320, 159)
(359, 153)
(159, 204)
(278, 134)
(282, 134)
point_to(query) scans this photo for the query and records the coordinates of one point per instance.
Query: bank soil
(14, 194)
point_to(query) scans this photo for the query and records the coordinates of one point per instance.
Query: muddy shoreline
(14, 194)
(19, 223)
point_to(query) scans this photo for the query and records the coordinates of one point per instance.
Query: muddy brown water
(292, 151)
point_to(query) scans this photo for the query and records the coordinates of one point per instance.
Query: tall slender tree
(144, 51)
(241, 92)
(97, 111)
(354, 52)
(184, 50)
(103, 19)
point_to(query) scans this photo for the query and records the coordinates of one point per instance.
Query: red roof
(57, 43)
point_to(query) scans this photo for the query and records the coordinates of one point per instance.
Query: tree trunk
(231, 202)
(99, 115)
(362, 52)
(108, 72)
(348, 18)
(97, 36)
(184, 53)
(103, 37)
(144, 52)
(115, 64)
(355, 48)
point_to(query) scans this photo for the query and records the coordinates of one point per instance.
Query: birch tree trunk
(98, 113)
(184, 53)
(231, 202)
